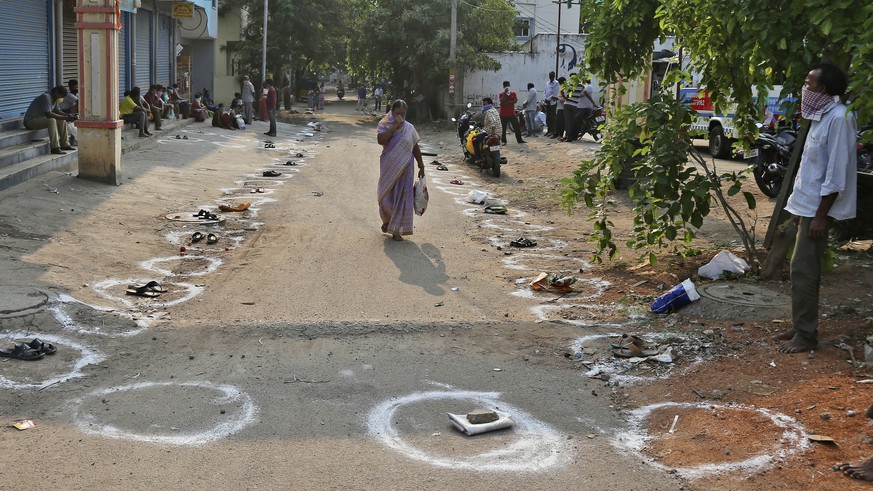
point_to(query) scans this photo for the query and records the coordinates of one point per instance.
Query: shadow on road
(421, 266)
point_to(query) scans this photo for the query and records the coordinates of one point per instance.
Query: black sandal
(38, 345)
(22, 351)
(523, 242)
(197, 237)
(211, 239)
(151, 285)
(271, 173)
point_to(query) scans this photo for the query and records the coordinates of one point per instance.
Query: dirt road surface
(306, 350)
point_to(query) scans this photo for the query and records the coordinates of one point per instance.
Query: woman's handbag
(421, 196)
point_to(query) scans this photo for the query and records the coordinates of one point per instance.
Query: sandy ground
(308, 323)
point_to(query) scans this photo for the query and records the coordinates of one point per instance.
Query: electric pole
(453, 39)
(264, 56)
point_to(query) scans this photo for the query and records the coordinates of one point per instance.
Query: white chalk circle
(29, 370)
(793, 440)
(583, 290)
(225, 414)
(59, 312)
(510, 225)
(102, 288)
(522, 262)
(537, 446)
(150, 265)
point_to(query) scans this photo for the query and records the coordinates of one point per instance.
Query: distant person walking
(377, 97)
(248, 99)
(272, 99)
(43, 113)
(362, 98)
(400, 151)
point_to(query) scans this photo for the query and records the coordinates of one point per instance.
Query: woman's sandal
(271, 173)
(523, 242)
(142, 291)
(197, 237)
(211, 239)
(236, 207)
(151, 286)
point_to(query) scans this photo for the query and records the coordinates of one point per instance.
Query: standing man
(377, 95)
(362, 98)
(825, 189)
(272, 100)
(530, 110)
(43, 113)
(508, 99)
(248, 98)
(550, 97)
(559, 113)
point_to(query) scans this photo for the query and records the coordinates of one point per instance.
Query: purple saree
(396, 178)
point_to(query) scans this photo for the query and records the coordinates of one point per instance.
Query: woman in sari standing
(400, 151)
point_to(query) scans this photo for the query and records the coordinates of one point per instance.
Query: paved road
(311, 353)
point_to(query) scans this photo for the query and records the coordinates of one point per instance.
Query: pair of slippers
(290, 162)
(632, 346)
(185, 137)
(149, 290)
(269, 145)
(236, 207)
(496, 209)
(33, 350)
(257, 190)
(198, 236)
(271, 173)
(299, 155)
(523, 242)
(205, 215)
(457, 181)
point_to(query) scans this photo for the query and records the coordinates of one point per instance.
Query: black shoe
(58, 151)
(522, 141)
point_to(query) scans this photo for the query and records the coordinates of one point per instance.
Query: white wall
(545, 15)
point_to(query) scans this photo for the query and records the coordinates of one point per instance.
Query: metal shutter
(143, 47)
(24, 55)
(165, 44)
(71, 45)
(123, 54)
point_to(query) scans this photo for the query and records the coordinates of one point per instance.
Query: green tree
(735, 46)
(302, 35)
(408, 42)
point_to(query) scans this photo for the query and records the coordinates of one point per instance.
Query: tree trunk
(782, 240)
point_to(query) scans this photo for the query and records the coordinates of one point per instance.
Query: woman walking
(399, 141)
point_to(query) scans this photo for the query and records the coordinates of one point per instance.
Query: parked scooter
(470, 133)
(772, 153)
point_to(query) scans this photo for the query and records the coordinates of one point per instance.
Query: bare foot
(862, 470)
(785, 336)
(795, 345)
(397, 237)
(384, 228)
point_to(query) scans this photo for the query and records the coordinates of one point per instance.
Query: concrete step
(28, 169)
(11, 124)
(10, 138)
(22, 152)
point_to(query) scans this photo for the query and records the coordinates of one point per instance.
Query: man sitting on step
(44, 113)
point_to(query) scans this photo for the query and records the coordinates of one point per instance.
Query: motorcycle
(591, 124)
(772, 153)
(340, 92)
(471, 133)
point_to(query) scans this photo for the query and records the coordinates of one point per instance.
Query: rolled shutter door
(165, 32)
(71, 45)
(24, 55)
(143, 49)
(123, 54)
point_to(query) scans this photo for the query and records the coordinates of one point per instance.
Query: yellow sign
(183, 9)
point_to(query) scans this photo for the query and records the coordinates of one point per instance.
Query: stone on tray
(479, 416)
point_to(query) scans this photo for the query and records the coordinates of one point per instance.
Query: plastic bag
(476, 196)
(723, 262)
(421, 196)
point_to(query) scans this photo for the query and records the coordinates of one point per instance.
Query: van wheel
(719, 144)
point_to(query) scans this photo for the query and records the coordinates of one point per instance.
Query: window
(523, 28)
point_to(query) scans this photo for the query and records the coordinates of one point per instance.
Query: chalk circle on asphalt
(530, 446)
(793, 439)
(170, 413)
(177, 292)
(76, 316)
(69, 360)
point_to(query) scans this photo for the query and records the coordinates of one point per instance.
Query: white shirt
(551, 91)
(248, 91)
(530, 104)
(584, 101)
(828, 165)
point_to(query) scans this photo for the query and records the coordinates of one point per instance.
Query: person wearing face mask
(825, 189)
(508, 98)
(44, 113)
(400, 151)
